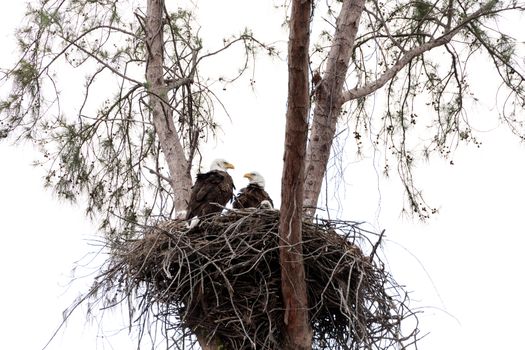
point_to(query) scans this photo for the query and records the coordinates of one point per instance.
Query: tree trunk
(329, 101)
(161, 111)
(298, 334)
(162, 115)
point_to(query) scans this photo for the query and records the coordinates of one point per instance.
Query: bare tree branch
(407, 57)
(168, 180)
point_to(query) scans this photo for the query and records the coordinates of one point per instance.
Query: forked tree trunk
(298, 334)
(161, 111)
(329, 101)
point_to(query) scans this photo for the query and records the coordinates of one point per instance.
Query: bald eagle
(253, 195)
(211, 190)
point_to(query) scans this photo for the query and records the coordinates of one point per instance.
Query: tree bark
(162, 114)
(298, 334)
(329, 101)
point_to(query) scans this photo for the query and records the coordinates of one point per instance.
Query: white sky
(463, 267)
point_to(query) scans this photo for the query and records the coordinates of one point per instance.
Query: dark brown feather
(212, 187)
(251, 197)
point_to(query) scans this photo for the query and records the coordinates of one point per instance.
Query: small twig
(376, 245)
(167, 179)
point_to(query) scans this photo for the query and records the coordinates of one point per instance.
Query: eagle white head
(255, 178)
(221, 164)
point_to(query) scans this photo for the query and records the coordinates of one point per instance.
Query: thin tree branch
(167, 179)
(99, 60)
(359, 92)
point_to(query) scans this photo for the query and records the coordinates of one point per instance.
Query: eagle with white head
(211, 191)
(253, 195)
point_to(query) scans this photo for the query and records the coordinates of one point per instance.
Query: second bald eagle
(253, 195)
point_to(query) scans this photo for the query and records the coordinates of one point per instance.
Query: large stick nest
(222, 280)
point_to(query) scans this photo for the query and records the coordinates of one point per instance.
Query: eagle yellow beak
(228, 165)
(248, 176)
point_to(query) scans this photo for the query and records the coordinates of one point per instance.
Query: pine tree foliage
(418, 57)
(79, 92)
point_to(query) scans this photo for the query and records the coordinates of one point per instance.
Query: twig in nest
(376, 245)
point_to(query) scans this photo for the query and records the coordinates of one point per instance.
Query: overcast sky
(463, 267)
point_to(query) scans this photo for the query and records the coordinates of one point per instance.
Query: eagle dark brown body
(211, 188)
(251, 197)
